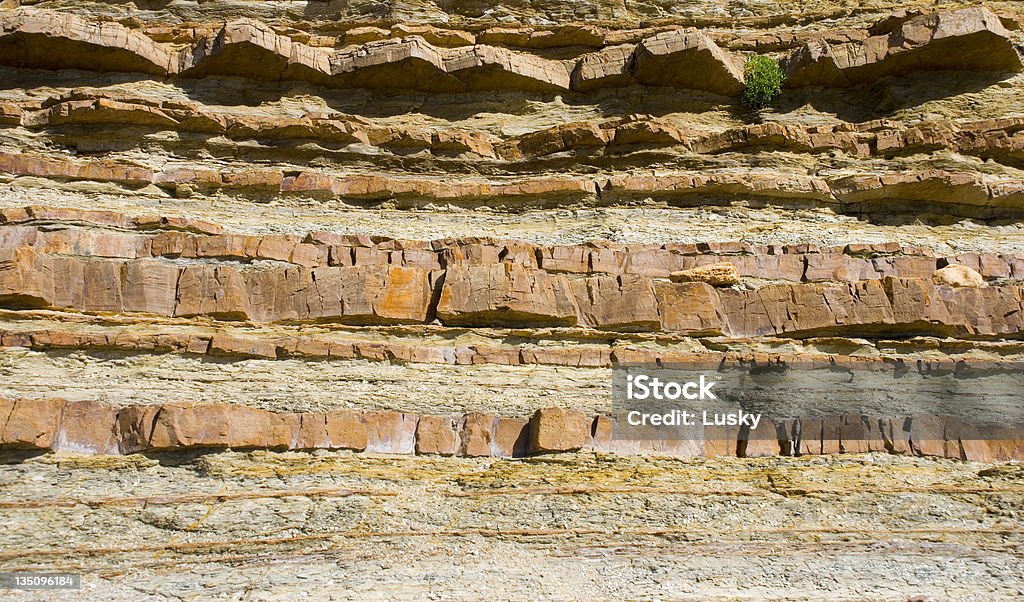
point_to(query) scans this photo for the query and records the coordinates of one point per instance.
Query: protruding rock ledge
(1000, 139)
(563, 347)
(503, 294)
(43, 39)
(106, 234)
(962, 194)
(88, 427)
(969, 39)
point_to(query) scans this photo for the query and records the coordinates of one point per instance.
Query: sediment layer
(44, 39)
(92, 428)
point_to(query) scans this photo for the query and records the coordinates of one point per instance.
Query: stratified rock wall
(401, 249)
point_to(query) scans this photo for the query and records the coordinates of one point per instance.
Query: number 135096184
(40, 581)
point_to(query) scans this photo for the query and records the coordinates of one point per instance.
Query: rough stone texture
(505, 294)
(971, 39)
(511, 438)
(44, 39)
(687, 60)
(31, 423)
(87, 427)
(348, 430)
(617, 302)
(959, 275)
(332, 231)
(388, 432)
(93, 428)
(477, 434)
(716, 274)
(556, 429)
(435, 435)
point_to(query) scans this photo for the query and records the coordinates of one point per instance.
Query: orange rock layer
(94, 428)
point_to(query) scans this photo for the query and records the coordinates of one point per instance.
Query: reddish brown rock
(215, 291)
(149, 287)
(558, 430)
(30, 423)
(690, 307)
(477, 434)
(896, 435)
(511, 438)
(624, 302)
(346, 429)
(87, 427)
(505, 294)
(435, 435)
(135, 427)
(238, 346)
(217, 425)
(687, 59)
(308, 429)
(390, 432)
(26, 279)
(928, 436)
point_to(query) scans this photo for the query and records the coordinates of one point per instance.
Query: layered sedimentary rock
(88, 427)
(679, 58)
(508, 283)
(405, 250)
(969, 39)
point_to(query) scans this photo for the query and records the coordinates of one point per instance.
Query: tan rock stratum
(325, 300)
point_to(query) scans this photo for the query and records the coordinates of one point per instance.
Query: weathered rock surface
(959, 276)
(395, 251)
(497, 285)
(971, 39)
(716, 274)
(678, 58)
(505, 294)
(50, 40)
(687, 60)
(88, 427)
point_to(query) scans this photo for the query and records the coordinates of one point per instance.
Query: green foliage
(762, 79)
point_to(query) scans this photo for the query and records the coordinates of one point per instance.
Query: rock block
(558, 430)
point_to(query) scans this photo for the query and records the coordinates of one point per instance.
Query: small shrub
(762, 78)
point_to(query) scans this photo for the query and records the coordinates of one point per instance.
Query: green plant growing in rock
(762, 78)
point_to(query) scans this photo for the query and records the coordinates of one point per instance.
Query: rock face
(677, 58)
(687, 60)
(959, 276)
(555, 429)
(505, 294)
(280, 278)
(498, 285)
(88, 427)
(49, 40)
(971, 39)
